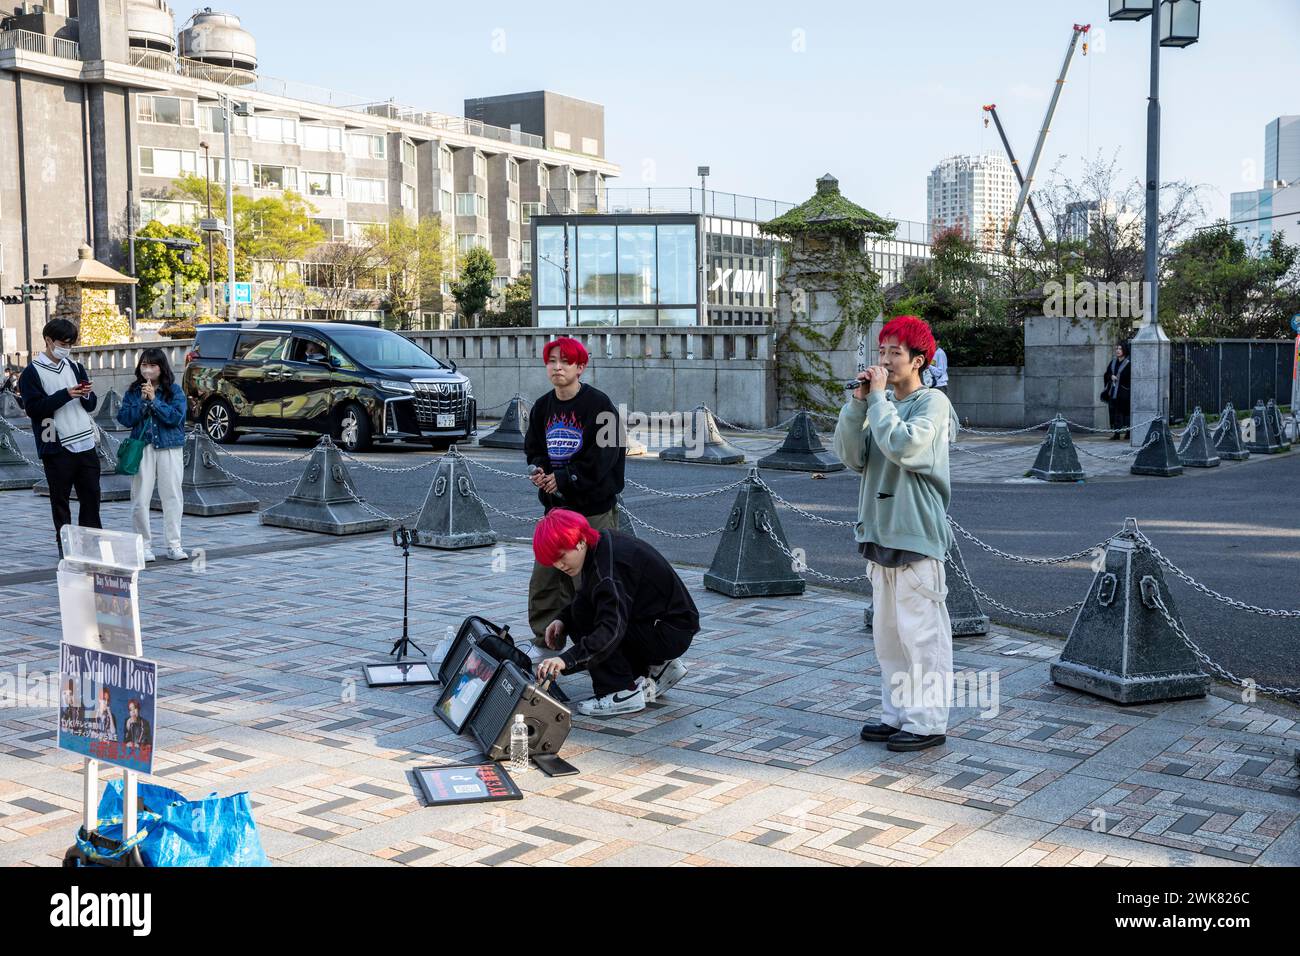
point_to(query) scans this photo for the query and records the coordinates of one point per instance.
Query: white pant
(913, 638)
(166, 467)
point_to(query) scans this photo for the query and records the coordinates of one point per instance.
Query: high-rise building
(103, 105)
(1082, 218)
(1258, 214)
(976, 194)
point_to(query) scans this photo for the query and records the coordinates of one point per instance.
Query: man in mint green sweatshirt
(894, 432)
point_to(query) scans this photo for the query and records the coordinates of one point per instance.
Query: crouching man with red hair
(894, 432)
(631, 618)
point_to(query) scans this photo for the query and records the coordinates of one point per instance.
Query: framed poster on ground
(466, 783)
(460, 695)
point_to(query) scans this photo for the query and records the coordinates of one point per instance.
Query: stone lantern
(86, 298)
(826, 235)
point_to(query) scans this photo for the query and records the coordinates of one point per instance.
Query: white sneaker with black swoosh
(667, 675)
(619, 702)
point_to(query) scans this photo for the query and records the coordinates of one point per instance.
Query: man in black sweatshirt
(575, 446)
(630, 620)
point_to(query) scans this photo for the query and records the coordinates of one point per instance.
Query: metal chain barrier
(1004, 456)
(798, 564)
(495, 471)
(396, 519)
(1032, 615)
(491, 507)
(670, 534)
(1196, 585)
(799, 511)
(1151, 440)
(1217, 669)
(680, 495)
(488, 408)
(1019, 559)
(1001, 433)
(261, 463)
(249, 481)
(1101, 431)
(6, 442)
(389, 471)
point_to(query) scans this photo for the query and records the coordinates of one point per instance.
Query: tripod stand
(401, 647)
(402, 673)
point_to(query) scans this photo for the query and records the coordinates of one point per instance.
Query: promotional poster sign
(466, 783)
(100, 610)
(107, 706)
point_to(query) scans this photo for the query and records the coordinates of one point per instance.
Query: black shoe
(906, 740)
(877, 732)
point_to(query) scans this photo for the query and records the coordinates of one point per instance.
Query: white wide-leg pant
(913, 638)
(165, 468)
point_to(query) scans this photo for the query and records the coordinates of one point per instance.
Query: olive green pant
(550, 591)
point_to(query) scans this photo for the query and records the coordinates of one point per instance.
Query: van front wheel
(353, 432)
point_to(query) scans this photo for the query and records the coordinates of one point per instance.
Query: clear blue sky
(879, 93)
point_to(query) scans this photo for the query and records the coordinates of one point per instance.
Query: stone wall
(992, 397)
(1065, 359)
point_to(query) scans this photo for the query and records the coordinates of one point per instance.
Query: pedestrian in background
(10, 383)
(936, 373)
(1116, 392)
(154, 409)
(64, 432)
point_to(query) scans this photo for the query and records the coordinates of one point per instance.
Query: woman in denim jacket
(154, 409)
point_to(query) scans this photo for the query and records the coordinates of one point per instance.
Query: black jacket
(1123, 394)
(580, 441)
(624, 579)
(41, 407)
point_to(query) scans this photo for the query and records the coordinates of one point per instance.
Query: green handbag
(129, 453)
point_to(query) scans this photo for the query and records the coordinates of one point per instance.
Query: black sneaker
(877, 732)
(906, 740)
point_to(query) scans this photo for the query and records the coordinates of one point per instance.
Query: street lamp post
(568, 298)
(1177, 23)
(212, 273)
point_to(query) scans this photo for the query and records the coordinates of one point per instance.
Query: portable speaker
(474, 632)
(512, 692)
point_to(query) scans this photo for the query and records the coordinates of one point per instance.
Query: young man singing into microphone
(894, 432)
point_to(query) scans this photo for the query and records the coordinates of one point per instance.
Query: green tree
(1213, 287)
(473, 287)
(168, 286)
(518, 311)
(413, 258)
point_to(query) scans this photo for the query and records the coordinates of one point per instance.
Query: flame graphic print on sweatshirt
(563, 437)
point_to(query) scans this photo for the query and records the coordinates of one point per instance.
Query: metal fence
(1241, 371)
(39, 43)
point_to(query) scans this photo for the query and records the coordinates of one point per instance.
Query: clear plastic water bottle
(519, 744)
(444, 647)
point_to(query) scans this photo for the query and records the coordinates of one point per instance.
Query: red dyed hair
(571, 350)
(560, 531)
(911, 332)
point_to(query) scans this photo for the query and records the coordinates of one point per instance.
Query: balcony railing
(40, 43)
(321, 96)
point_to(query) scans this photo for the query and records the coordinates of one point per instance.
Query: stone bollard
(1227, 436)
(748, 563)
(1057, 459)
(1266, 440)
(802, 450)
(510, 432)
(106, 412)
(322, 500)
(1158, 456)
(112, 486)
(206, 490)
(452, 516)
(715, 449)
(9, 407)
(1121, 646)
(1196, 450)
(15, 472)
(1275, 414)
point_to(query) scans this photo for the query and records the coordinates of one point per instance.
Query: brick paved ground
(752, 759)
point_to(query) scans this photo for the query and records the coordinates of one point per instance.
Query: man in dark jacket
(576, 448)
(1116, 391)
(631, 618)
(58, 398)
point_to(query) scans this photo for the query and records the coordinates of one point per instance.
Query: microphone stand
(402, 646)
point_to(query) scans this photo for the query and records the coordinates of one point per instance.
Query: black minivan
(357, 383)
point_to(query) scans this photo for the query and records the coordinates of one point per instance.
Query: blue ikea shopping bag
(214, 831)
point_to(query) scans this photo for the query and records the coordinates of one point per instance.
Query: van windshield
(380, 349)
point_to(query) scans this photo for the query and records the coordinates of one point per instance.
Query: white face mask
(61, 354)
(150, 372)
